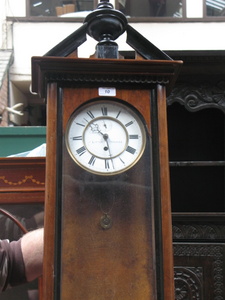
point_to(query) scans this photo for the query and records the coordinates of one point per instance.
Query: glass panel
(151, 8)
(194, 8)
(60, 8)
(106, 220)
(215, 7)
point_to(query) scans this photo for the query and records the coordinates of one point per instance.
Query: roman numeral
(129, 123)
(121, 160)
(80, 124)
(133, 136)
(81, 150)
(90, 114)
(106, 164)
(104, 111)
(77, 138)
(118, 114)
(130, 150)
(92, 160)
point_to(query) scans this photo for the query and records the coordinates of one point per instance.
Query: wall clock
(105, 137)
(108, 232)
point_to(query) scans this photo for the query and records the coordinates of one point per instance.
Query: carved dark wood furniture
(199, 255)
(196, 123)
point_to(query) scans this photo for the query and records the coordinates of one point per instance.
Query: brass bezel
(122, 104)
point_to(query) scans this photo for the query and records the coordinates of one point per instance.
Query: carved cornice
(199, 232)
(107, 78)
(124, 71)
(198, 56)
(196, 96)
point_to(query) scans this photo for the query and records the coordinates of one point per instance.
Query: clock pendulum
(106, 221)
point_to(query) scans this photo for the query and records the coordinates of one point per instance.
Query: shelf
(197, 163)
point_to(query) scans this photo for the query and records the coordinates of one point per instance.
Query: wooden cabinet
(196, 124)
(199, 256)
(22, 189)
(22, 180)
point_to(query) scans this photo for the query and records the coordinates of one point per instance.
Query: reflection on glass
(215, 7)
(151, 8)
(60, 8)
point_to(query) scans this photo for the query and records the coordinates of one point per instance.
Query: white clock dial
(105, 137)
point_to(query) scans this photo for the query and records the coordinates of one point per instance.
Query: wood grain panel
(117, 263)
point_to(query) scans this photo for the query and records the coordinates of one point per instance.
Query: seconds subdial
(105, 137)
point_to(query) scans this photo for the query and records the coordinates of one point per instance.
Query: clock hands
(95, 128)
(106, 137)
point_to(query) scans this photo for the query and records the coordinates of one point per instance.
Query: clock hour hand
(95, 128)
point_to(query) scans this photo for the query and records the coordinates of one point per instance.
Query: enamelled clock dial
(105, 137)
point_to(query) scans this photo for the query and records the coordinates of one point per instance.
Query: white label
(106, 91)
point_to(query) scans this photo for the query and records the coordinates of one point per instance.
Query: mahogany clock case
(131, 258)
(107, 222)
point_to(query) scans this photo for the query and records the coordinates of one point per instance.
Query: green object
(15, 140)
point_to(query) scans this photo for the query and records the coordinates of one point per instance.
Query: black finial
(104, 4)
(106, 21)
(105, 25)
(102, 1)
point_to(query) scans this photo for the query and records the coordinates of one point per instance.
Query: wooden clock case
(132, 259)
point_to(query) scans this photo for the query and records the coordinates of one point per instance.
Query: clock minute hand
(105, 136)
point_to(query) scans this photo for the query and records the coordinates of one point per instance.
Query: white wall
(15, 8)
(194, 8)
(2, 17)
(35, 39)
(184, 36)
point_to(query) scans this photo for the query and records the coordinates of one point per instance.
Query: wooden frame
(59, 77)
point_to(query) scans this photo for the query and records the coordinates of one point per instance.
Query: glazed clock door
(106, 248)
